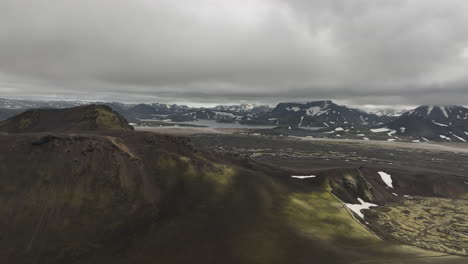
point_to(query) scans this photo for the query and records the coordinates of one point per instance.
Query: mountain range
(424, 123)
(433, 123)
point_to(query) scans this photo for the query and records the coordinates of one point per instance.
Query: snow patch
(339, 129)
(316, 111)
(391, 139)
(386, 178)
(439, 124)
(303, 177)
(379, 130)
(445, 137)
(429, 109)
(442, 108)
(294, 108)
(356, 208)
(459, 138)
(391, 133)
(300, 123)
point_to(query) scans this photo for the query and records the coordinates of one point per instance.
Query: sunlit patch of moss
(25, 123)
(221, 174)
(320, 215)
(167, 163)
(107, 120)
(325, 185)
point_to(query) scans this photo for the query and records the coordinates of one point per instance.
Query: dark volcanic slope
(81, 118)
(134, 197)
(140, 198)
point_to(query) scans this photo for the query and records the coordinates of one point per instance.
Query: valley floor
(435, 146)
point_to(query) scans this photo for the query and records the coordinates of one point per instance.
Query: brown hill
(81, 118)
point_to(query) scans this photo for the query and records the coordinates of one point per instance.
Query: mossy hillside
(258, 219)
(320, 215)
(110, 120)
(81, 118)
(65, 207)
(162, 202)
(23, 121)
(81, 207)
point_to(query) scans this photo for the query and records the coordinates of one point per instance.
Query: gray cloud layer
(204, 51)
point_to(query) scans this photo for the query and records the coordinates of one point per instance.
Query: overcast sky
(374, 52)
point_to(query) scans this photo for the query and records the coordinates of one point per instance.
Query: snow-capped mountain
(206, 114)
(26, 104)
(235, 108)
(433, 123)
(245, 112)
(447, 115)
(388, 112)
(320, 113)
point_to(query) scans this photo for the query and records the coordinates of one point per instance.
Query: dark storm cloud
(358, 52)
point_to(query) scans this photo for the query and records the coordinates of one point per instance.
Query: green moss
(221, 174)
(25, 123)
(320, 215)
(108, 120)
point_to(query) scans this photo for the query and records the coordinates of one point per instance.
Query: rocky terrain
(302, 152)
(431, 223)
